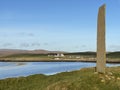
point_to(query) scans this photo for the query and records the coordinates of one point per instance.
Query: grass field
(84, 79)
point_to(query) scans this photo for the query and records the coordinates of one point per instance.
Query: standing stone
(101, 50)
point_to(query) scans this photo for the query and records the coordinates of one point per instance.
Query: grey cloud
(30, 44)
(26, 34)
(83, 46)
(114, 46)
(24, 45)
(45, 44)
(30, 34)
(76, 47)
(35, 44)
(7, 44)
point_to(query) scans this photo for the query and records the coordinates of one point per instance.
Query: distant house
(77, 56)
(59, 55)
(56, 58)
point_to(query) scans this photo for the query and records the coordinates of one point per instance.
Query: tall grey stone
(101, 46)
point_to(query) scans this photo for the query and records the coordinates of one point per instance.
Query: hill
(6, 52)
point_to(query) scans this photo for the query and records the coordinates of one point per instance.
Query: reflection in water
(6, 64)
(15, 69)
(20, 63)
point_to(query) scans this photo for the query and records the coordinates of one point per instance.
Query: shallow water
(16, 69)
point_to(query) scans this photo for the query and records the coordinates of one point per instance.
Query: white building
(59, 55)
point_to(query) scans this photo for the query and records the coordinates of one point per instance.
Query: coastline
(111, 57)
(61, 60)
(70, 80)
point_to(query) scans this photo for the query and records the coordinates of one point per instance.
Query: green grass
(26, 55)
(113, 55)
(84, 79)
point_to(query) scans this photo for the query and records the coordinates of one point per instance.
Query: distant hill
(113, 54)
(81, 53)
(116, 54)
(5, 52)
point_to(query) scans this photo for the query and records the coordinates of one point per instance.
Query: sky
(57, 25)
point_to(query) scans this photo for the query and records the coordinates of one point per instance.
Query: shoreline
(73, 60)
(82, 77)
(17, 77)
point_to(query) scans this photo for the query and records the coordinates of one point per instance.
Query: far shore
(61, 60)
(111, 57)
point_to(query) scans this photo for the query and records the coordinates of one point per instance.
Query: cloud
(30, 34)
(7, 44)
(23, 45)
(4, 45)
(83, 46)
(26, 34)
(76, 47)
(114, 47)
(35, 44)
(45, 44)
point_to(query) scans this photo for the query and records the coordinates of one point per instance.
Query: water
(16, 69)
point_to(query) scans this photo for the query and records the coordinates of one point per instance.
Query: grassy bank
(84, 79)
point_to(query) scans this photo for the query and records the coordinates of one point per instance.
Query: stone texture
(101, 49)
